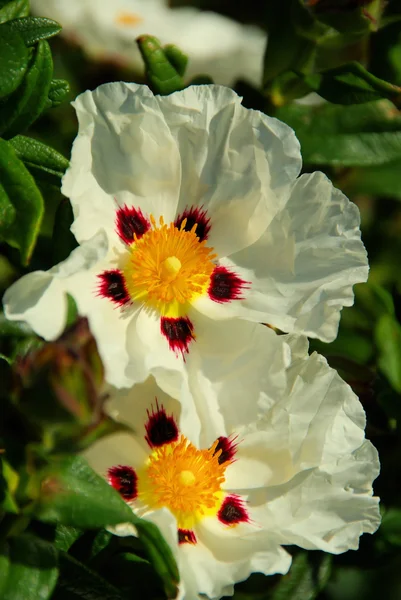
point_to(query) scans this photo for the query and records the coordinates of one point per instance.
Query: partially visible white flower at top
(230, 478)
(191, 220)
(216, 45)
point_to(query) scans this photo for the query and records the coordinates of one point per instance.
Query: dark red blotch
(226, 285)
(160, 428)
(195, 215)
(130, 222)
(124, 480)
(179, 333)
(186, 536)
(112, 286)
(233, 511)
(227, 447)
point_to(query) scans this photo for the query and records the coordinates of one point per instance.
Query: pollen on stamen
(233, 511)
(131, 224)
(160, 428)
(178, 332)
(112, 286)
(186, 536)
(227, 448)
(194, 216)
(226, 286)
(124, 480)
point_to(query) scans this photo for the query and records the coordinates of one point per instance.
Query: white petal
(230, 380)
(116, 449)
(223, 557)
(39, 300)
(124, 154)
(327, 508)
(304, 266)
(236, 163)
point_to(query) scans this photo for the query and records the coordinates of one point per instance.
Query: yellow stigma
(128, 18)
(168, 267)
(183, 479)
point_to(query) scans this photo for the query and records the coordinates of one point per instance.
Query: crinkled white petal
(124, 155)
(230, 381)
(301, 271)
(39, 299)
(162, 154)
(224, 556)
(326, 508)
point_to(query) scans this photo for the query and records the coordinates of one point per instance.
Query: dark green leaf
(77, 582)
(134, 576)
(59, 91)
(66, 536)
(33, 94)
(360, 135)
(63, 241)
(34, 29)
(391, 526)
(14, 10)
(26, 199)
(28, 569)
(14, 60)
(307, 577)
(73, 494)
(33, 152)
(8, 485)
(162, 75)
(7, 210)
(380, 180)
(388, 340)
(352, 84)
(13, 328)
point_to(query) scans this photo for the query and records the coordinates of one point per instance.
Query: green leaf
(7, 210)
(33, 94)
(63, 241)
(77, 582)
(388, 340)
(162, 75)
(14, 328)
(33, 152)
(307, 577)
(14, 10)
(380, 180)
(66, 536)
(361, 135)
(8, 485)
(59, 91)
(34, 29)
(26, 199)
(74, 495)
(14, 60)
(28, 569)
(390, 527)
(352, 84)
(134, 576)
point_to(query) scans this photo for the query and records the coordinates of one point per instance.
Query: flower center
(128, 18)
(183, 479)
(168, 267)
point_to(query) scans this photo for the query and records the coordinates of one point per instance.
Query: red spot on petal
(112, 286)
(186, 536)
(233, 511)
(179, 333)
(226, 285)
(195, 215)
(124, 480)
(130, 222)
(227, 448)
(160, 429)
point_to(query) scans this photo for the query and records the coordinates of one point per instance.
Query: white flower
(191, 220)
(240, 475)
(216, 45)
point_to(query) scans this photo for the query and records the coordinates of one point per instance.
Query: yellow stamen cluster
(184, 479)
(168, 267)
(128, 18)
